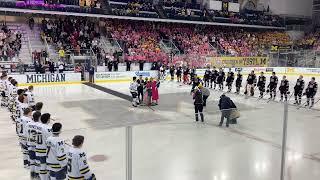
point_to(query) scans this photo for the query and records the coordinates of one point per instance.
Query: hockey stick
(300, 106)
(262, 97)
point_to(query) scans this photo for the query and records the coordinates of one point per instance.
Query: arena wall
(289, 7)
(125, 76)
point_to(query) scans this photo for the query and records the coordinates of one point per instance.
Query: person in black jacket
(262, 84)
(128, 65)
(179, 73)
(51, 66)
(220, 79)
(226, 106)
(141, 84)
(198, 104)
(172, 69)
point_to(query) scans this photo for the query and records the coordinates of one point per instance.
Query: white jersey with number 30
(43, 134)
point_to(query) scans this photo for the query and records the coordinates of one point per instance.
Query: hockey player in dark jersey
(192, 74)
(214, 75)
(284, 88)
(298, 88)
(251, 83)
(179, 73)
(220, 79)
(195, 83)
(172, 72)
(272, 87)
(229, 80)
(206, 77)
(262, 84)
(238, 82)
(311, 91)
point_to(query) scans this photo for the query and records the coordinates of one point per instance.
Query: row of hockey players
(214, 78)
(44, 152)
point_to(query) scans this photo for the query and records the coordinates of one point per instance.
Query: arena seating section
(142, 39)
(138, 8)
(184, 10)
(71, 35)
(181, 10)
(10, 43)
(310, 41)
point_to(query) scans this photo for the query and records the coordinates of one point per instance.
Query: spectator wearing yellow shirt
(61, 53)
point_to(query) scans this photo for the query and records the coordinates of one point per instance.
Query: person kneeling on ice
(134, 91)
(205, 93)
(228, 110)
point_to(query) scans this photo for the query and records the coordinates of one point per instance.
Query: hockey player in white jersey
(12, 95)
(4, 97)
(30, 95)
(134, 91)
(56, 159)
(21, 105)
(78, 167)
(32, 128)
(21, 127)
(41, 147)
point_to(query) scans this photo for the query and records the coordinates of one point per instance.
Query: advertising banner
(240, 61)
(24, 79)
(127, 75)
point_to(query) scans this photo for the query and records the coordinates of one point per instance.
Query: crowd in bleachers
(10, 43)
(247, 17)
(71, 35)
(184, 10)
(142, 39)
(133, 8)
(172, 9)
(310, 41)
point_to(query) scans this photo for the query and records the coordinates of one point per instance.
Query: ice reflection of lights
(294, 156)
(222, 176)
(260, 167)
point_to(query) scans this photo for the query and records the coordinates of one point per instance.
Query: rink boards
(75, 78)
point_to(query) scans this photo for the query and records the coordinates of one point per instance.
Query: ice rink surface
(167, 143)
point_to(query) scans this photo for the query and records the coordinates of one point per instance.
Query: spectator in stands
(60, 66)
(61, 53)
(51, 66)
(20, 66)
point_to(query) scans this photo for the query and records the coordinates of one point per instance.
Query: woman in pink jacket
(155, 93)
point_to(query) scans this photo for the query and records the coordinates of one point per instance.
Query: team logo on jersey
(44, 78)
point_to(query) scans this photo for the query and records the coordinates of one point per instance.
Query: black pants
(198, 109)
(238, 86)
(262, 89)
(140, 93)
(128, 68)
(225, 113)
(205, 101)
(172, 76)
(273, 91)
(91, 78)
(298, 94)
(310, 96)
(284, 93)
